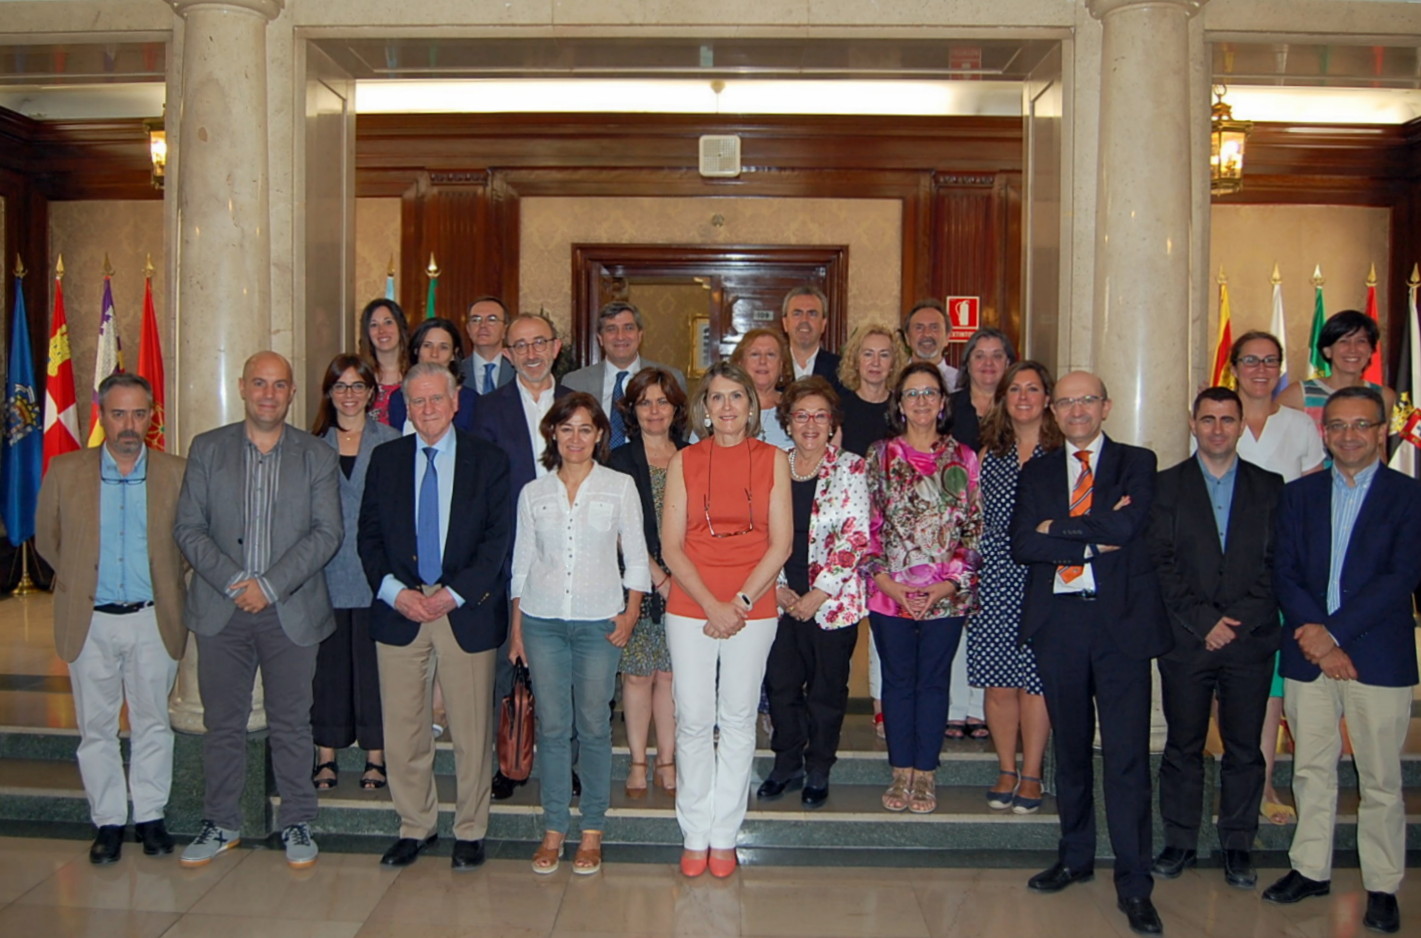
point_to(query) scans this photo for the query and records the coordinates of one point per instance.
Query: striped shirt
(1347, 499)
(258, 503)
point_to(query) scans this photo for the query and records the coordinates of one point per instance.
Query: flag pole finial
(1276, 277)
(20, 266)
(1372, 275)
(433, 269)
(1316, 279)
(1223, 277)
(148, 267)
(1415, 280)
(390, 270)
(59, 268)
(108, 268)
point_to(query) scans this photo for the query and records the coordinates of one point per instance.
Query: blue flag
(23, 448)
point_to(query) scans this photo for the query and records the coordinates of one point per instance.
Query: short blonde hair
(849, 375)
(700, 417)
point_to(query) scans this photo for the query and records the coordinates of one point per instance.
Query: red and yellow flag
(1222, 376)
(1374, 367)
(61, 409)
(150, 365)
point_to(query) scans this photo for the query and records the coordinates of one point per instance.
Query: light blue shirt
(1347, 498)
(123, 533)
(444, 467)
(1221, 496)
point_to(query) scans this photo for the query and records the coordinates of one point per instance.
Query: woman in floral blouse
(820, 595)
(922, 559)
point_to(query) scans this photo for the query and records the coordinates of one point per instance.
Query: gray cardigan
(345, 578)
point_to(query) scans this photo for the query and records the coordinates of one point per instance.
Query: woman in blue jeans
(570, 620)
(922, 563)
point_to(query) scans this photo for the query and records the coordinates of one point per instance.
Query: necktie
(619, 426)
(1080, 505)
(427, 522)
(488, 377)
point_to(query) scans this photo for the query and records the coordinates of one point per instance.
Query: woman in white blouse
(569, 618)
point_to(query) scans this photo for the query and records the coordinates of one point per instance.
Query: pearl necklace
(812, 472)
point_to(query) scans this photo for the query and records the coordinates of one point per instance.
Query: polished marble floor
(48, 888)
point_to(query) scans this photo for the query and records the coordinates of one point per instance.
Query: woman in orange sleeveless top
(726, 529)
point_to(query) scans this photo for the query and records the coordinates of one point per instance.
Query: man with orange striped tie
(1094, 616)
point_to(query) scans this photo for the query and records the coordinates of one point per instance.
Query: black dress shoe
(1238, 869)
(406, 850)
(814, 796)
(1295, 887)
(1140, 913)
(503, 786)
(1058, 877)
(468, 855)
(1383, 915)
(154, 837)
(108, 844)
(772, 788)
(1173, 861)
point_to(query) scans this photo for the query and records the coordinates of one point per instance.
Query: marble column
(1140, 336)
(223, 269)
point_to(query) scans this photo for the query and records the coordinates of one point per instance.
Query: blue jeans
(574, 671)
(917, 671)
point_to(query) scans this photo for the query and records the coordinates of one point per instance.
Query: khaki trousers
(406, 696)
(1377, 719)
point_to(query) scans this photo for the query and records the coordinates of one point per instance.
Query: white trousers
(713, 780)
(963, 700)
(124, 658)
(1377, 721)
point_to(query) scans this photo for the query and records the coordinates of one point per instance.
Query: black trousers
(1190, 677)
(807, 679)
(345, 701)
(1083, 671)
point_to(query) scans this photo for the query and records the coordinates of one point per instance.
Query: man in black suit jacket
(803, 316)
(1093, 613)
(1211, 535)
(441, 604)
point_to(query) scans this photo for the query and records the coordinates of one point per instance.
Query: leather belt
(121, 609)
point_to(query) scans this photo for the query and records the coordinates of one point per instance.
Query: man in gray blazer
(620, 328)
(258, 518)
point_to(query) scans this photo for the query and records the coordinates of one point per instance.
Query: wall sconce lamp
(157, 148)
(1227, 138)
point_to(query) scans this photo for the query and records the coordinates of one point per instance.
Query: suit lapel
(1368, 519)
(1197, 506)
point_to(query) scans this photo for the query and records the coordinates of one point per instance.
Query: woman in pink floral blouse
(922, 560)
(820, 595)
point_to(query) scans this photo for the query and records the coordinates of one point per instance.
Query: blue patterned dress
(993, 657)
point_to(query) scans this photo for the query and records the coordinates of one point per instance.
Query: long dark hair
(424, 328)
(640, 383)
(561, 412)
(998, 435)
(326, 416)
(398, 314)
(896, 421)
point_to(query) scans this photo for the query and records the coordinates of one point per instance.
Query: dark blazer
(826, 366)
(1374, 624)
(465, 419)
(474, 548)
(501, 421)
(966, 427)
(631, 459)
(1129, 602)
(1199, 582)
(502, 375)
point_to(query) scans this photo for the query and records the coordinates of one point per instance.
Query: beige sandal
(636, 792)
(922, 799)
(546, 859)
(662, 767)
(896, 797)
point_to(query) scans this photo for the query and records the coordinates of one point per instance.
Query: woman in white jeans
(726, 529)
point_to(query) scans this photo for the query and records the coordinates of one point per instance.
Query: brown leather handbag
(515, 727)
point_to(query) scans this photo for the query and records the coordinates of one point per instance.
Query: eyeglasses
(1356, 426)
(354, 387)
(749, 501)
(820, 417)
(1253, 361)
(124, 480)
(1066, 403)
(492, 318)
(927, 394)
(537, 345)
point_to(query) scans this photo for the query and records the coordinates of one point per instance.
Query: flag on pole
(109, 356)
(23, 451)
(1318, 365)
(1406, 419)
(390, 279)
(61, 407)
(1279, 327)
(1222, 376)
(150, 364)
(433, 273)
(1374, 367)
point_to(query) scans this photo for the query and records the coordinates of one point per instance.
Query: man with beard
(925, 330)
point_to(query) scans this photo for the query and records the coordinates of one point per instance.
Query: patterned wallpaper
(377, 240)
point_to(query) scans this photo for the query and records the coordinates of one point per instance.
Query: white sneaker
(301, 850)
(211, 841)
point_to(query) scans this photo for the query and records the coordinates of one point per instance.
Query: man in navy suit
(1093, 613)
(803, 316)
(1345, 566)
(1211, 535)
(487, 368)
(440, 605)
